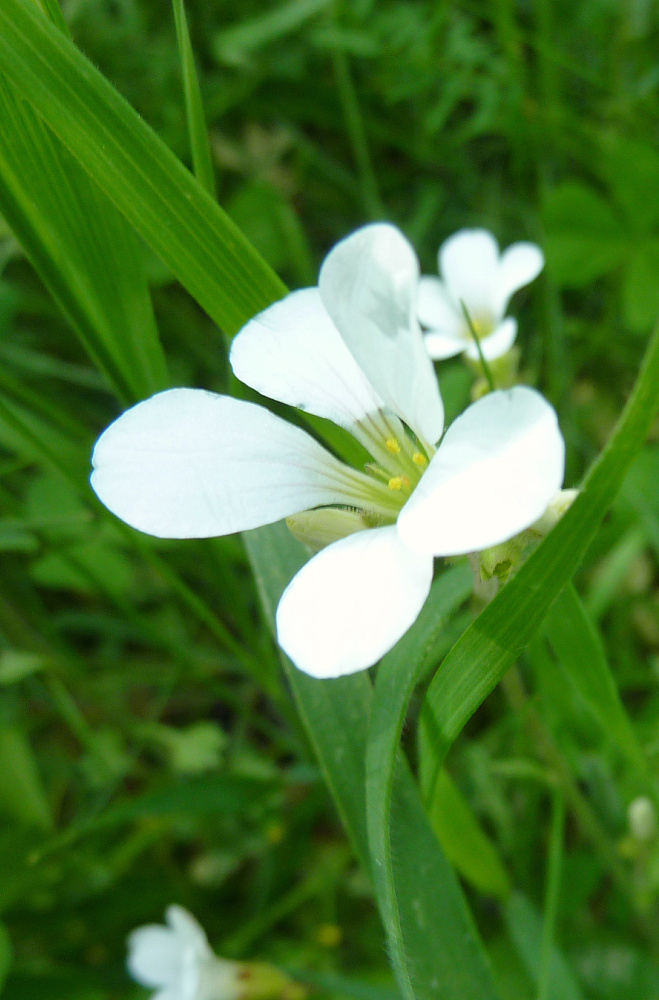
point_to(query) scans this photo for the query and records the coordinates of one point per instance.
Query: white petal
(436, 310)
(169, 993)
(352, 602)
(292, 352)
(496, 470)
(440, 346)
(188, 930)
(499, 341)
(468, 262)
(519, 264)
(368, 284)
(191, 464)
(154, 956)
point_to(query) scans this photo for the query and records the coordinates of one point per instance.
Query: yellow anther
(392, 446)
(399, 483)
(419, 459)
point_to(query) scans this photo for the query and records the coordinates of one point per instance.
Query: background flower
(474, 273)
(178, 962)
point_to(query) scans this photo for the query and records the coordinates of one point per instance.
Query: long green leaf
(525, 928)
(194, 110)
(82, 248)
(464, 841)
(158, 196)
(578, 649)
(443, 955)
(418, 896)
(492, 643)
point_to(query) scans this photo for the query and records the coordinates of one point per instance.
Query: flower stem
(486, 367)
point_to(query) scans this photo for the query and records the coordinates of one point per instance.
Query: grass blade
(194, 110)
(424, 913)
(158, 196)
(443, 954)
(492, 643)
(82, 249)
(579, 651)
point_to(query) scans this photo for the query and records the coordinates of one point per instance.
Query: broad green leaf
(579, 651)
(525, 928)
(194, 111)
(158, 196)
(493, 642)
(583, 238)
(443, 956)
(82, 248)
(22, 795)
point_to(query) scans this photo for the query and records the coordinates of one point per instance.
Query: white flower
(473, 272)
(188, 463)
(178, 962)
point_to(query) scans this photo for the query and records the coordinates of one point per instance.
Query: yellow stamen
(392, 446)
(419, 459)
(399, 483)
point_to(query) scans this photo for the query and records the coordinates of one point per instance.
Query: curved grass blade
(423, 910)
(578, 649)
(464, 842)
(492, 643)
(194, 110)
(82, 248)
(149, 185)
(443, 955)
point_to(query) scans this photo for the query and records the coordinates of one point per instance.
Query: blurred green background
(149, 749)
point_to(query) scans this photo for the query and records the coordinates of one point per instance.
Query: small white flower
(177, 961)
(472, 271)
(188, 463)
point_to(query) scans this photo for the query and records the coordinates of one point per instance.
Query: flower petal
(154, 956)
(292, 352)
(350, 603)
(169, 993)
(519, 264)
(497, 343)
(188, 930)
(440, 346)
(436, 309)
(368, 284)
(468, 262)
(191, 464)
(496, 470)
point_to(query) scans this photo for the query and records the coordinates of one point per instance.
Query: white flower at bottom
(474, 273)
(189, 463)
(177, 961)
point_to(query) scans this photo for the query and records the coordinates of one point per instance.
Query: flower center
(376, 495)
(482, 326)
